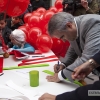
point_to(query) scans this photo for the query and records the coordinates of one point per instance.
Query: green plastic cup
(34, 78)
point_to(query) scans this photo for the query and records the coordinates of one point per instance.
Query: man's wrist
(93, 63)
(63, 65)
(60, 76)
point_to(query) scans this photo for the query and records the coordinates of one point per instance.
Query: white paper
(7, 92)
(26, 93)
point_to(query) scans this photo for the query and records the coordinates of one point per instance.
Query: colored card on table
(52, 73)
(26, 66)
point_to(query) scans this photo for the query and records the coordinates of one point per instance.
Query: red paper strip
(21, 64)
(52, 56)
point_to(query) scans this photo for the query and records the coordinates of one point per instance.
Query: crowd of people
(80, 28)
(9, 25)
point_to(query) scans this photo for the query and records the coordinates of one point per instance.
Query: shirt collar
(76, 27)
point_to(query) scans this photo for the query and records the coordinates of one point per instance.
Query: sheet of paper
(23, 73)
(7, 92)
(26, 93)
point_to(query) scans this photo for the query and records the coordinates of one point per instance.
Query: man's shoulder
(88, 17)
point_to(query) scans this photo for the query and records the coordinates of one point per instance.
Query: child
(18, 39)
(14, 22)
(4, 32)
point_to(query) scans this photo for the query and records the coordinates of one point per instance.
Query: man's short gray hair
(58, 22)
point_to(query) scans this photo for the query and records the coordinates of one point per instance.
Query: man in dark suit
(38, 3)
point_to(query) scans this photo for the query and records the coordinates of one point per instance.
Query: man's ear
(69, 25)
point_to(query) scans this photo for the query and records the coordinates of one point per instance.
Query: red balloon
(34, 21)
(34, 33)
(60, 10)
(3, 5)
(17, 7)
(41, 10)
(65, 48)
(42, 23)
(25, 29)
(26, 16)
(45, 29)
(58, 4)
(36, 14)
(57, 45)
(27, 26)
(47, 15)
(54, 9)
(44, 43)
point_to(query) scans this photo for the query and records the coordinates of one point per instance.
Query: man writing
(83, 33)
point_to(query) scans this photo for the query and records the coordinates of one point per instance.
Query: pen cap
(34, 78)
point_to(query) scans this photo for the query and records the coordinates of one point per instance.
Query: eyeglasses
(62, 37)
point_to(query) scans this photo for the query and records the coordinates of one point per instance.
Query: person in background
(31, 1)
(29, 8)
(18, 39)
(14, 22)
(80, 93)
(99, 5)
(37, 4)
(84, 36)
(86, 7)
(5, 31)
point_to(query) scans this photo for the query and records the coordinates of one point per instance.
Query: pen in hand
(58, 66)
(74, 71)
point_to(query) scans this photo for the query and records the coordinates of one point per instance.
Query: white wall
(52, 2)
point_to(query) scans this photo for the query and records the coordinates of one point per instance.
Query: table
(21, 78)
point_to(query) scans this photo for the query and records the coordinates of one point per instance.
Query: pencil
(74, 71)
(58, 66)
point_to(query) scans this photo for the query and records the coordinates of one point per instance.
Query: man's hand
(84, 3)
(82, 71)
(66, 5)
(47, 96)
(53, 78)
(56, 69)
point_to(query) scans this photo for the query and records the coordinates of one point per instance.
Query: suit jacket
(81, 93)
(89, 38)
(38, 4)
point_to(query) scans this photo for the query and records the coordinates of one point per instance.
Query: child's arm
(27, 49)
